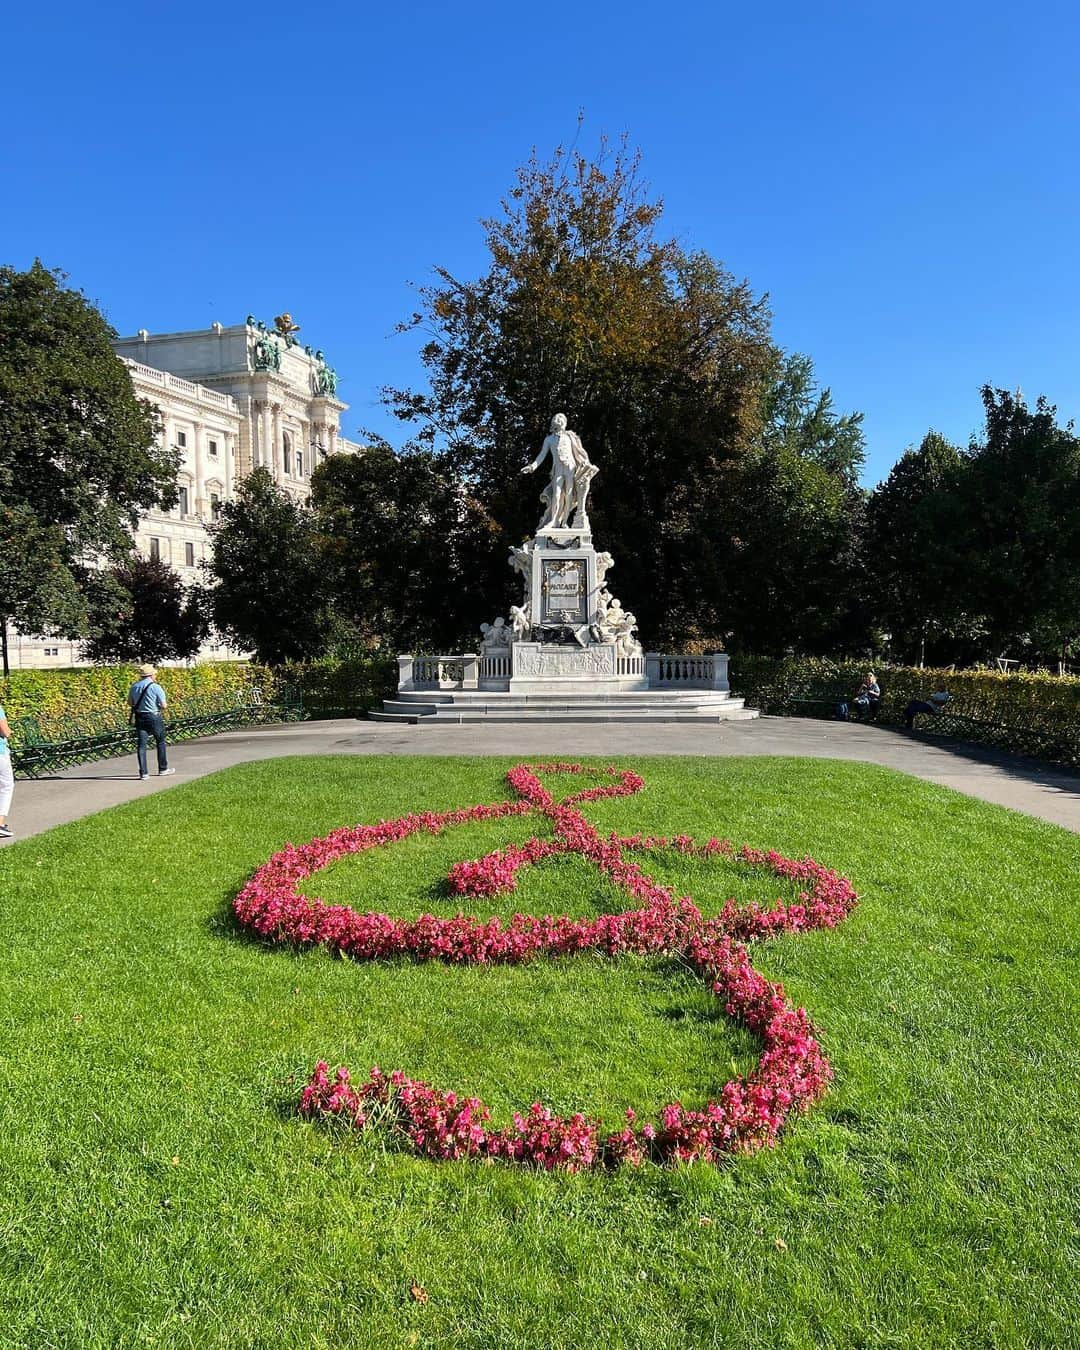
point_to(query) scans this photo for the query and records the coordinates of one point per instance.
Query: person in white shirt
(7, 776)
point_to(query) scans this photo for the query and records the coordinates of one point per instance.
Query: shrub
(51, 695)
(339, 688)
(1034, 714)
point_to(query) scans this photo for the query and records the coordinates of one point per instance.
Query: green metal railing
(44, 745)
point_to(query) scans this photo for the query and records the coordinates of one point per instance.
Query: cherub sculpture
(494, 636)
(521, 559)
(520, 621)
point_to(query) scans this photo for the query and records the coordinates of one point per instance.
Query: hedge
(1034, 714)
(343, 688)
(51, 695)
(327, 688)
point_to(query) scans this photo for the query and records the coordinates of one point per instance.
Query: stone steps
(538, 702)
(624, 718)
(700, 705)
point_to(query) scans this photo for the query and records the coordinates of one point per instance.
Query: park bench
(45, 745)
(825, 705)
(1045, 734)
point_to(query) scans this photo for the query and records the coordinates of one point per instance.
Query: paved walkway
(1022, 784)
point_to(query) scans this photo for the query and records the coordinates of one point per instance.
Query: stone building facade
(230, 400)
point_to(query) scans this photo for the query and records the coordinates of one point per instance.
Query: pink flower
(749, 1113)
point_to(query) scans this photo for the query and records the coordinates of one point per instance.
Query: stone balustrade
(198, 393)
(707, 671)
(439, 672)
(495, 666)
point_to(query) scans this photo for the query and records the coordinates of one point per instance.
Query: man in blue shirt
(148, 702)
(7, 777)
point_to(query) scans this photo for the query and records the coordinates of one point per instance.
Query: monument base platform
(544, 668)
(543, 682)
(430, 709)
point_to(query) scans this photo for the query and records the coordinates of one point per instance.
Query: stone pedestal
(564, 647)
(564, 592)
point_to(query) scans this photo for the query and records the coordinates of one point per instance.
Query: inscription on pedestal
(563, 592)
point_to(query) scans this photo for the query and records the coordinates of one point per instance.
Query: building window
(155, 549)
(52, 651)
(299, 464)
(184, 502)
(211, 449)
(189, 555)
(181, 439)
(215, 505)
(286, 452)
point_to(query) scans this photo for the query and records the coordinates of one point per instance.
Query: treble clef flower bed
(749, 1112)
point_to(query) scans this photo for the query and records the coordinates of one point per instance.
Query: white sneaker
(6, 832)
(165, 773)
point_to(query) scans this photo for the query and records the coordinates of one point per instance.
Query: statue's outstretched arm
(531, 468)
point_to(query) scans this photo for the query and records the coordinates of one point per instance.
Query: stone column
(720, 670)
(278, 442)
(253, 433)
(227, 467)
(266, 441)
(198, 475)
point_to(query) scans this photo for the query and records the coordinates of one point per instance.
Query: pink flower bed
(749, 1112)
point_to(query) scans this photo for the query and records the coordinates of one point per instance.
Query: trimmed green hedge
(51, 695)
(327, 688)
(343, 688)
(1028, 714)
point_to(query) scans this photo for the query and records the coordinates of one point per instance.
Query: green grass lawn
(157, 1187)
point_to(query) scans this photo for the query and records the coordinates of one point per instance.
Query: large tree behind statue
(78, 450)
(658, 355)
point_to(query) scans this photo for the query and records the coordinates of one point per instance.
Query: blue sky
(901, 179)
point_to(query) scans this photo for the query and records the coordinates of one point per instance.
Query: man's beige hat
(148, 670)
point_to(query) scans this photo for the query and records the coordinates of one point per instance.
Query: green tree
(141, 610)
(78, 450)
(918, 556)
(1022, 504)
(38, 591)
(788, 538)
(657, 354)
(268, 583)
(397, 537)
(799, 418)
(786, 556)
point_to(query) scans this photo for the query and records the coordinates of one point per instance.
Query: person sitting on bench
(866, 699)
(933, 705)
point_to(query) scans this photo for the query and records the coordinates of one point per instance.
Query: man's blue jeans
(151, 726)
